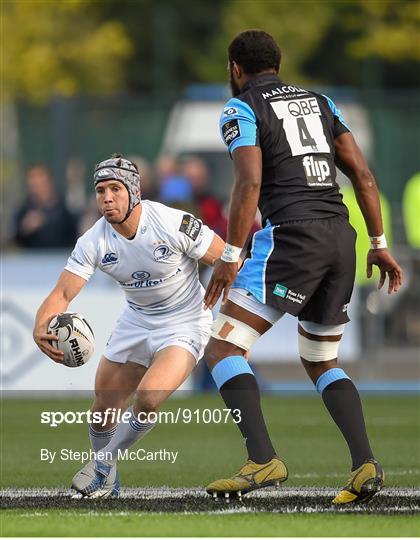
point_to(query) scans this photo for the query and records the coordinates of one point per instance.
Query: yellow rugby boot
(363, 483)
(251, 476)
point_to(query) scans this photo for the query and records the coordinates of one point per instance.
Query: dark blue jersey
(295, 129)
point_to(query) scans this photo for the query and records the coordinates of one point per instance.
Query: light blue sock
(328, 377)
(230, 367)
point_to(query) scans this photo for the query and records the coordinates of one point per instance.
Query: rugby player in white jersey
(151, 250)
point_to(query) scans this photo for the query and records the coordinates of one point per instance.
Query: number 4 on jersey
(302, 126)
(304, 135)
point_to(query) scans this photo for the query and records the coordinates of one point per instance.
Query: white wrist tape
(231, 254)
(378, 242)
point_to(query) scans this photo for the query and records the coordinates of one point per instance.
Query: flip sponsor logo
(317, 170)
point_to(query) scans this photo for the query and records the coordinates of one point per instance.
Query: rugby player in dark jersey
(285, 142)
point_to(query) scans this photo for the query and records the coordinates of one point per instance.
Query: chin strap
(127, 215)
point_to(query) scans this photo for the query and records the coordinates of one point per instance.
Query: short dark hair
(255, 51)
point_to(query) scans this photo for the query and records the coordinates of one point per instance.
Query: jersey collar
(260, 80)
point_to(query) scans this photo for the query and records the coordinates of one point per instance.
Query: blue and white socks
(126, 434)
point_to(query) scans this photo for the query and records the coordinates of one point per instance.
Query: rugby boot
(363, 483)
(116, 488)
(251, 476)
(97, 479)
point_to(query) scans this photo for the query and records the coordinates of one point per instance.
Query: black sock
(343, 403)
(242, 392)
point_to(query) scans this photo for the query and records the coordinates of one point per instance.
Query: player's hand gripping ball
(75, 338)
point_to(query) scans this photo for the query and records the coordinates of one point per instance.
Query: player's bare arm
(67, 288)
(214, 251)
(350, 160)
(247, 164)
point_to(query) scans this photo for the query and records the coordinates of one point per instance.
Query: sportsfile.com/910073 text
(112, 415)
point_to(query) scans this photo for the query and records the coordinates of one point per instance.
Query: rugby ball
(75, 338)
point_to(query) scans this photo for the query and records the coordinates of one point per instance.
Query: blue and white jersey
(157, 269)
(295, 129)
(238, 125)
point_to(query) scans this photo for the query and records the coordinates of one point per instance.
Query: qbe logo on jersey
(302, 125)
(317, 171)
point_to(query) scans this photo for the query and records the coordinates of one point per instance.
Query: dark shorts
(304, 267)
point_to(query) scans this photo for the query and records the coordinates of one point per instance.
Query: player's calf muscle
(148, 401)
(106, 411)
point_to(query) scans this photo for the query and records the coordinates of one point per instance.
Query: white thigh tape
(229, 329)
(322, 329)
(317, 351)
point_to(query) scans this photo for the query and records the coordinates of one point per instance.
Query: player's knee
(230, 337)
(317, 352)
(318, 343)
(107, 399)
(100, 406)
(216, 350)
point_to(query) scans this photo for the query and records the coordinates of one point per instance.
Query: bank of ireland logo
(162, 252)
(280, 290)
(140, 275)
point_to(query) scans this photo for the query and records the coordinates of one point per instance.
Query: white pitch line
(286, 501)
(403, 472)
(179, 493)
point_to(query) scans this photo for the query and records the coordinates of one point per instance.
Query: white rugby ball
(75, 338)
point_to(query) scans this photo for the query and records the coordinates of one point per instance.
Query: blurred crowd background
(82, 79)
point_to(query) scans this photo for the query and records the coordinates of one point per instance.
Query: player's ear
(237, 70)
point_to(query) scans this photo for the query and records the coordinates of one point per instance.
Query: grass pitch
(301, 431)
(123, 523)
